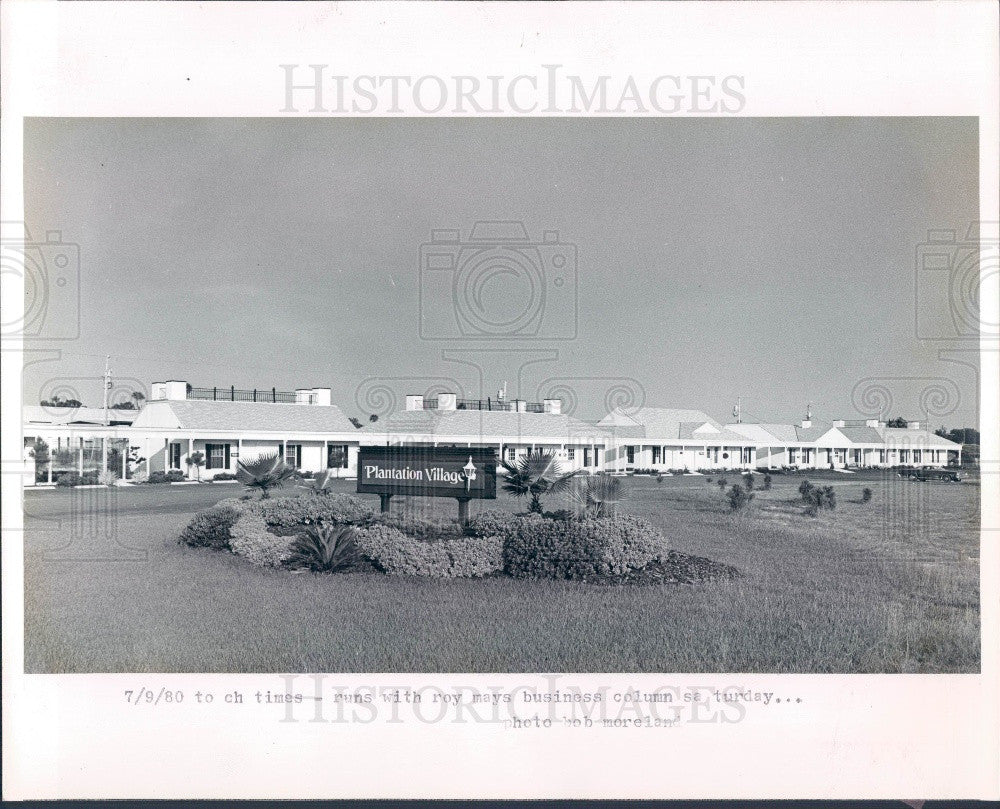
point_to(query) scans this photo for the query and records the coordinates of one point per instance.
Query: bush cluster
(578, 549)
(249, 538)
(817, 497)
(173, 476)
(307, 509)
(222, 476)
(423, 528)
(395, 553)
(211, 528)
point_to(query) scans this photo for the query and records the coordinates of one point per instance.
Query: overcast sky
(772, 259)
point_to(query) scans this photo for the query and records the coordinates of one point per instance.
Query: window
(175, 456)
(630, 455)
(336, 456)
(916, 456)
(656, 455)
(570, 453)
(792, 455)
(216, 456)
(586, 456)
(511, 453)
(293, 455)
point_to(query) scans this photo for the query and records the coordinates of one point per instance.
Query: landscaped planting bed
(340, 533)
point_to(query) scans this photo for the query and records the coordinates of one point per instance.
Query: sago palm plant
(324, 548)
(533, 476)
(264, 473)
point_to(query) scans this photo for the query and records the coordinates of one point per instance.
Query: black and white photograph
(500, 401)
(503, 396)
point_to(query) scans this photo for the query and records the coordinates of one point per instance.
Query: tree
(197, 460)
(373, 418)
(123, 405)
(356, 422)
(264, 473)
(139, 398)
(533, 476)
(899, 421)
(55, 401)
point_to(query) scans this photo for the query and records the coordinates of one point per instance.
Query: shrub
(578, 549)
(211, 528)
(866, 494)
(157, 477)
(69, 479)
(107, 477)
(250, 539)
(324, 549)
(422, 528)
(819, 497)
(749, 481)
(264, 473)
(222, 476)
(140, 476)
(804, 488)
(392, 552)
(288, 512)
(723, 483)
(739, 498)
(175, 476)
(501, 524)
(767, 483)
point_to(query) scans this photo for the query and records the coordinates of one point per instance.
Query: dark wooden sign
(465, 474)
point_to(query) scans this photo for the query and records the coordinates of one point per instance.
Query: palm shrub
(750, 481)
(533, 476)
(804, 488)
(739, 498)
(723, 483)
(264, 473)
(866, 495)
(599, 496)
(767, 483)
(324, 549)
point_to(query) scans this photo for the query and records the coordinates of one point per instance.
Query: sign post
(465, 474)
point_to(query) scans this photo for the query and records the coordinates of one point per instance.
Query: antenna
(738, 410)
(809, 411)
(502, 393)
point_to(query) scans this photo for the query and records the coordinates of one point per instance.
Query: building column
(104, 453)
(239, 453)
(80, 464)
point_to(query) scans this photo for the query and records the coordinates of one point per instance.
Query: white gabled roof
(243, 417)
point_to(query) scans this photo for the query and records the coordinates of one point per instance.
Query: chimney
(913, 425)
(175, 390)
(305, 396)
(414, 402)
(158, 390)
(324, 396)
(873, 423)
(519, 405)
(447, 401)
(553, 406)
(838, 422)
(806, 423)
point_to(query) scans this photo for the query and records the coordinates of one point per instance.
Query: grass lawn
(887, 586)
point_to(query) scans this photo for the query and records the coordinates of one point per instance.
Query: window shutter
(227, 455)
